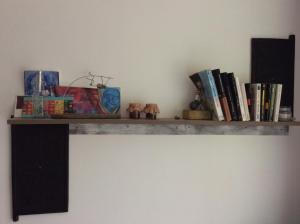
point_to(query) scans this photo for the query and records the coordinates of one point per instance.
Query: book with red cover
(222, 95)
(249, 99)
(229, 96)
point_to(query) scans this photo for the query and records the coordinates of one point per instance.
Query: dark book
(268, 93)
(222, 95)
(235, 95)
(228, 93)
(197, 81)
(263, 101)
(249, 100)
(256, 97)
(272, 101)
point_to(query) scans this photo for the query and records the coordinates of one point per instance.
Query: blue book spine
(212, 93)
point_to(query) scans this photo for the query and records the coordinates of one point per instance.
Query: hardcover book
(240, 99)
(249, 99)
(222, 95)
(235, 95)
(197, 82)
(211, 93)
(272, 101)
(245, 101)
(277, 102)
(268, 101)
(229, 95)
(256, 94)
(263, 101)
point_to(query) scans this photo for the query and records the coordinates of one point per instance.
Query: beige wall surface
(150, 47)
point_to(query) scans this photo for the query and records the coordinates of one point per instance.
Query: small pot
(151, 110)
(151, 116)
(135, 114)
(134, 110)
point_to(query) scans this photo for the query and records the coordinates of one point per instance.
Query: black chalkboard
(40, 163)
(273, 61)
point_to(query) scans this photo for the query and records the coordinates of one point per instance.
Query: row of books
(231, 100)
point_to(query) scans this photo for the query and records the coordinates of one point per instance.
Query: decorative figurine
(199, 103)
(199, 109)
(151, 111)
(134, 110)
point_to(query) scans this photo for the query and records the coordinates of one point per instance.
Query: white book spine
(240, 99)
(244, 95)
(277, 102)
(257, 94)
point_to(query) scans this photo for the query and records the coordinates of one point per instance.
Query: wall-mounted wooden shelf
(40, 149)
(163, 126)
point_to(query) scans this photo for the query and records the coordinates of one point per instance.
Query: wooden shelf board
(163, 126)
(163, 121)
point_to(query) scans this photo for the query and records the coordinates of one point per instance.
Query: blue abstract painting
(40, 82)
(110, 100)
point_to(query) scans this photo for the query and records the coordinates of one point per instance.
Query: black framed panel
(40, 167)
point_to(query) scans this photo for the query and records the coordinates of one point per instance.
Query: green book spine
(272, 103)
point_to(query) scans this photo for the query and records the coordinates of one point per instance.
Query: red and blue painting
(103, 101)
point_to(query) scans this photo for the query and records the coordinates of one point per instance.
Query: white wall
(151, 47)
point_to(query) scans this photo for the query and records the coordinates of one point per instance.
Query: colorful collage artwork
(44, 98)
(92, 100)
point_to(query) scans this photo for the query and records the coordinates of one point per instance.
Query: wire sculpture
(103, 81)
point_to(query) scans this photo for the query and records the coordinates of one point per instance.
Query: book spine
(245, 101)
(273, 96)
(228, 92)
(262, 101)
(222, 95)
(268, 101)
(249, 99)
(215, 96)
(240, 99)
(197, 81)
(235, 95)
(257, 95)
(211, 93)
(225, 108)
(277, 102)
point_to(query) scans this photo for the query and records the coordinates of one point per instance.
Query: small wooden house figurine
(151, 110)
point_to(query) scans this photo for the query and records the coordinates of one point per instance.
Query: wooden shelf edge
(162, 121)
